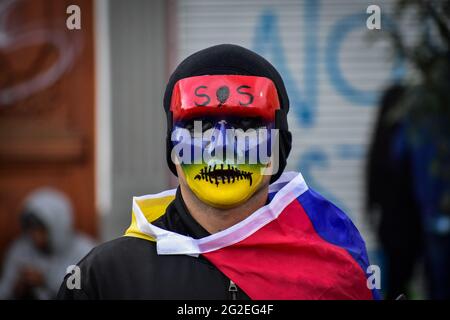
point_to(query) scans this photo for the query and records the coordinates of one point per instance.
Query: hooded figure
(37, 262)
(237, 227)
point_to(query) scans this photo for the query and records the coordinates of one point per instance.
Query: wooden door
(46, 109)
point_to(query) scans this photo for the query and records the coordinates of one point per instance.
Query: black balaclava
(228, 59)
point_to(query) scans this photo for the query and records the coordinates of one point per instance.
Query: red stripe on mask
(224, 95)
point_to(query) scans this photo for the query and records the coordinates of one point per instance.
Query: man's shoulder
(110, 268)
(119, 249)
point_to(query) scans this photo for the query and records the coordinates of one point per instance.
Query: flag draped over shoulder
(298, 246)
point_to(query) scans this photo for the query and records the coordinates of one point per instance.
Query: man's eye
(206, 125)
(248, 123)
(192, 124)
(189, 126)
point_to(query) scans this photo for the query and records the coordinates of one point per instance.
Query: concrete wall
(137, 77)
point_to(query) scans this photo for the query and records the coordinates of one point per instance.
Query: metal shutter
(333, 72)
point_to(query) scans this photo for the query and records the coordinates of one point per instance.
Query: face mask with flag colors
(223, 135)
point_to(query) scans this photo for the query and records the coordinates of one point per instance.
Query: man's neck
(213, 219)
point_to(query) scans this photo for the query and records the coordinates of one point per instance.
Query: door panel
(46, 109)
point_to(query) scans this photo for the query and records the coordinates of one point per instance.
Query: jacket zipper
(233, 290)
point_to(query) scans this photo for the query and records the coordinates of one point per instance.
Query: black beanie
(228, 59)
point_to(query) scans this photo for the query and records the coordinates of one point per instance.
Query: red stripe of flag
(287, 259)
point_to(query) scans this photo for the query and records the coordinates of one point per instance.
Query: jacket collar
(148, 209)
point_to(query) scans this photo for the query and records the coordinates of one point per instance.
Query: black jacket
(130, 268)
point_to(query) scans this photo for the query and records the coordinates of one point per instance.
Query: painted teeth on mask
(219, 174)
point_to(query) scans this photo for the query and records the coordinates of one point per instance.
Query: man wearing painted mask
(237, 227)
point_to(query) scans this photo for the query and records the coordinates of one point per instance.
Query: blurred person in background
(390, 199)
(425, 139)
(419, 143)
(37, 261)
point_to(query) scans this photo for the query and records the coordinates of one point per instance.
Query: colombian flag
(298, 246)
